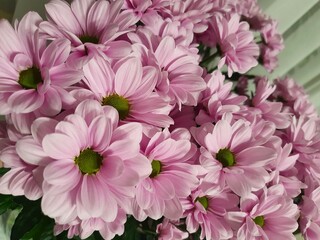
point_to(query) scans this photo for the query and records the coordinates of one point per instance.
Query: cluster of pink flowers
(118, 109)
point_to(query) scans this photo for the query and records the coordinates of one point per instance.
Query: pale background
(299, 22)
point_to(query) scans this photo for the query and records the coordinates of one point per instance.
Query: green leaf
(29, 223)
(4, 171)
(6, 203)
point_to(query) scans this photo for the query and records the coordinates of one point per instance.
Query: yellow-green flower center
(89, 161)
(118, 102)
(30, 78)
(259, 221)
(89, 39)
(226, 157)
(156, 168)
(204, 201)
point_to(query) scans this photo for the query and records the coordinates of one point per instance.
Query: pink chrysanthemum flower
(172, 176)
(217, 99)
(272, 44)
(179, 74)
(141, 7)
(129, 88)
(207, 212)
(85, 228)
(100, 160)
(269, 215)
(33, 76)
(26, 161)
(195, 11)
(89, 25)
(235, 43)
(294, 98)
(231, 155)
(168, 231)
(269, 111)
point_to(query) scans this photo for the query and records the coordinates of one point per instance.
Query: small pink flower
(100, 161)
(85, 228)
(172, 176)
(168, 231)
(269, 111)
(208, 212)
(129, 88)
(89, 25)
(231, 155)
(268, 215)
(235, 43)
(179, 74)
(217, 99)
(34, 76)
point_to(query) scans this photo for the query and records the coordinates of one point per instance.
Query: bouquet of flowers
(138, 119)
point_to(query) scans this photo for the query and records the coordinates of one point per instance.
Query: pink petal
(41, 127)
(32, 190)
(128, 77)
(60, 146)
(56, 53)
(112, 167)
(59, 12)
(88, 110)
(257, 156)
(9, 42)
(25, 101)
(52, 104)
(100, 132)
(164, 188)
(173, 209)
(80, 9)
(30, 151)
(164, 50)
(98, 17)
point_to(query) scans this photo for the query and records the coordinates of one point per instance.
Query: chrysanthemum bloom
(283, 169)
(232, 157)
(179, 74)
(235, 43)
(142, 7)
(217, 99)
(168, 231)
(85, 228)
(294, 98)
(171, 178)
(100, 161)
(269, 215)
(89, 25)
(33, 76)
(195, 11)
(129, 88)
(207, 212)
(26, 161)
(304, 135)
(269, 111)
(272, 44)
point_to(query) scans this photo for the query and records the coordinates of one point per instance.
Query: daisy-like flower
(85, 228)
(234, 42)
(89, 25)
(179, 74)
(269, 111)
(269, 215)
(207, 212)
(168, 231)
(172, 177)
(26, 161)
(129, 88)
(217, 99)
(232, 157)
(100, 160)
(33, 76)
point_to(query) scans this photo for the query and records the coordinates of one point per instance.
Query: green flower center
(226, 157)
(156, 168)
(89, 39)
(89, 161)
(204, 201)
(30, 78)
(259, 221)
(120, 103)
